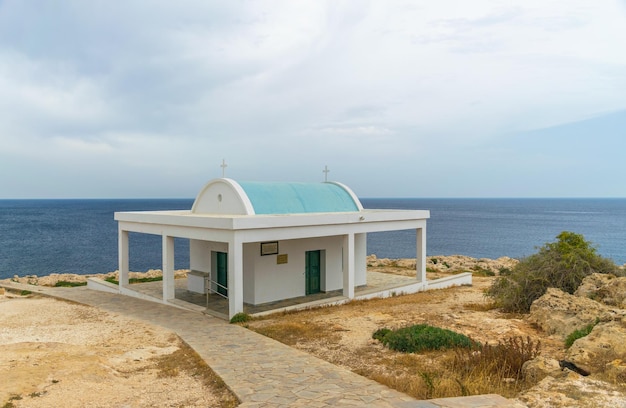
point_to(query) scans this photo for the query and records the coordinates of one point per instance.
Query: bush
(380, 334)
(68, 284)
(580, 333)
(562, 264)
(240, 318)
(504, 360)
(421, 337)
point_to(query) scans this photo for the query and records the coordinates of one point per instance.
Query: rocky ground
(59, 352)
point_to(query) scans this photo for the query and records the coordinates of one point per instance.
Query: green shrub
(421, 337)
(578, 334)
(67, 284)
(114, 281)
(480, 271)
(240, 318)
(380, 334)
(562, 264)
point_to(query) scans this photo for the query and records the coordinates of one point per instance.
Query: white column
(122, 254)
(235, 277)
(168, 268)
(420, 260)
(348, 266)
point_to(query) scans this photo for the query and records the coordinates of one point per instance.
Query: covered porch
(379, 285)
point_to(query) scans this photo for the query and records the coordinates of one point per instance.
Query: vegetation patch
(291, 332)
(421, 337)
(240, 318)
(478, 270)
(562, 264)
(135, 280)
(502, 360)
(580, 333)
(68, 284)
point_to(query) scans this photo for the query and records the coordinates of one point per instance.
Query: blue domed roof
(297, 198)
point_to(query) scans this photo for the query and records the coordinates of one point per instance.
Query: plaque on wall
(269, 248)
(281, 259)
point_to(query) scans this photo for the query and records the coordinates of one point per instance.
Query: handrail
(208, 285)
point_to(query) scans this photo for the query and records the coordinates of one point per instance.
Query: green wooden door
(312, 272)
(222, 273)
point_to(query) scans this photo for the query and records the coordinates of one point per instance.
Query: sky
(144, 99)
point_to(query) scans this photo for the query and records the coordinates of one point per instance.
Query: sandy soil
(54, 354)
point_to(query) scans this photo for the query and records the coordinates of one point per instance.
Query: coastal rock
(605, 288)
(557, 312)
(540, 367)
(54, 278)
(573, 391)
(450, 263)
(604, 348)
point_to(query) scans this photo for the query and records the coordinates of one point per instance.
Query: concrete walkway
(262, 372)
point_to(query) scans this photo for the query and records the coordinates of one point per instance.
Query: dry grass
(342, 336)
(185, 359)
(291, 332)
(480, 306)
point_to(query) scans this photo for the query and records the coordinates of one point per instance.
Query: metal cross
(325, 171)
(223, 166)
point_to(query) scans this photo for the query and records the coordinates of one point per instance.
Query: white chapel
(258, 242)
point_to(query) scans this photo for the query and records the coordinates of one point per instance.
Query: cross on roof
(223, 166)
(325, 171)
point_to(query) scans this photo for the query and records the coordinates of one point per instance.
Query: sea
(40, 237)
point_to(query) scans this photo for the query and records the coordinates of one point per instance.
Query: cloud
(280, 89)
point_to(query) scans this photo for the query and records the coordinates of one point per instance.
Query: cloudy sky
(443, 98)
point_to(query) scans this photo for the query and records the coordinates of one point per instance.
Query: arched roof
(297, 198)
(226, 196)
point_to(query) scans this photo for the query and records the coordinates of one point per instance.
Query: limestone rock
(604, 288)
(541, 367)
(557, 312)
(573, 391)
(605, 344)
(449, 263)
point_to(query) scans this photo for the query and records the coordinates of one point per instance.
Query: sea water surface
(39, 237)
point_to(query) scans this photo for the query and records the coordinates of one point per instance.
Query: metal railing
(209, 284)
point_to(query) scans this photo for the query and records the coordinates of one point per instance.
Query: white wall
(266, 281)
(219, 197)
(360, 255)
(200, 253)
(275, 282)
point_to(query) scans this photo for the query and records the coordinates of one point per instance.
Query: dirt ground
(54, 353)
(58, 354)
(343, 335)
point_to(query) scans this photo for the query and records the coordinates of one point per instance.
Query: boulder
(560, 313)
(605, 288)
(573, 391)
(604, 345)
(540, 367)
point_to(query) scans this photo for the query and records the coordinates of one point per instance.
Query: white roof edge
(349, 191)
(245, 201)
(242, 194)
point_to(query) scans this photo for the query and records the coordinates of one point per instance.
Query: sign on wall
(269, 248)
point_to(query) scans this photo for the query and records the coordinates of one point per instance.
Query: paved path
(260, 371)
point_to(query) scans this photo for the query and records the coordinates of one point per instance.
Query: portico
(256, 243)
